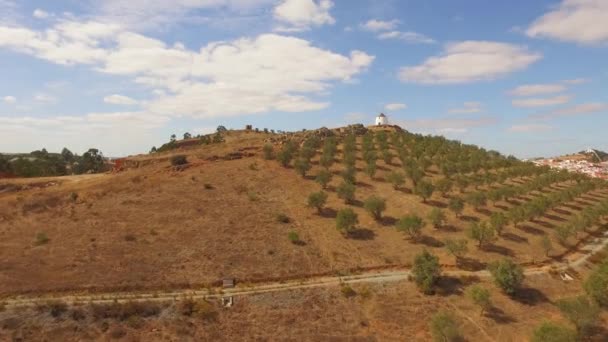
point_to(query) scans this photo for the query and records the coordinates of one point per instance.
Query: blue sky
(527, 78)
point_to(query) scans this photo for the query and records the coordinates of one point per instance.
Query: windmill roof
(382, 115)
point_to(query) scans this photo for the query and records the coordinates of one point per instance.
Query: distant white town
(596, 170)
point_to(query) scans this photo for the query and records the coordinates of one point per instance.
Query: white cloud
(374, 25)
(576, 81)
(470, 61)
(395, 106)
(69, 42)
(467, 108)
(538, 89)
(410, 37)
(244, 76)
(579, 21)
(9, 99)
(541, 102)
(581, 109)
(45, 98)
(119, 100)
(527, 128)
(301, 15)
(40, 14)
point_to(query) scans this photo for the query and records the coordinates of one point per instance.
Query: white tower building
(381, 120)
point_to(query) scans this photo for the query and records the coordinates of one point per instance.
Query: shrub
(424, 190)
(317, 200)
(346, 220)
(349, 174)
(348, 291)
(480, 297)
(498, 221)
(370, 169)
(456, 205)
(581, 312)
(282, 218)
(346, 191)
(178, 160)
(375, 206)
(323, 178)
(477, 200)
(458, 248)
(426, 271)
(553, 332)
(444, 328)
(73, 197)
(481, 232)
(293, 237)
(507, 275)
(396, 178)
(302, 165)
(437, 217)
(596, 285)
(285, 156)
(444, 186)
(42, 239)
(412, 225)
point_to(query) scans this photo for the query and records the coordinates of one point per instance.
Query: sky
(527, 78)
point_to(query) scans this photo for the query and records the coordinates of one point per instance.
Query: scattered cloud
(119, 100)
(581, 109)
(527, 128)
(537, 89)
(40, 14)
(576, 81)
(541, 102)
(470, 61)
(395, 106)
(374, 25)
(45, 98)
(444, 125)
(579, 21)
(410, 37)
(244, 76)
(9, 99)
(301, 15)
(467, 108)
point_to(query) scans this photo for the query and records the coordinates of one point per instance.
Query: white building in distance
(381, 120)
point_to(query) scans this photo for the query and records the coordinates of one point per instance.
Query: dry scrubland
(155, 226)
(376, 312)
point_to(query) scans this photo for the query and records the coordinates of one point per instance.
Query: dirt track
(370, 277)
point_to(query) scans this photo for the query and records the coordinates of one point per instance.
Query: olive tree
(507, 275)
(346, 220)
(426, 271)
(412, 225)
(375, 206)
(317, 200)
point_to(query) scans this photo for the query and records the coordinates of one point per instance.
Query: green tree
(370, 169)
(302, 165)
(285, 156)
(480, 297)
(562, 233)
(481, 232)
(268, 152)
(476, 200)
(596, 285)
(317, 200)
(424, 190)
(553, 332)
(444, 186)
(349, 174)
(396, 178)
(323, 178)
(346, 220)
(582, 312)
(412, 225)
(437, 217)
(507, 275)
(457, 248)
(187, 136)
(444, 328)
(498, 221)
(346, 191)
(456, 205)
(375, 206)
(426, 271)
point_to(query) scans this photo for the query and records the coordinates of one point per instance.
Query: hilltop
(236, 204)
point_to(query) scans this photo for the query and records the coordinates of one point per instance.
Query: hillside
(238, 208)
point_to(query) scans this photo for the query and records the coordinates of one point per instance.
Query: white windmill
(381, 120)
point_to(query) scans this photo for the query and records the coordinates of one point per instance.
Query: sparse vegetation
(323, 178)
(437, 217)
(480, 297)
(293, 237)
(375, 206)
(426, 271)
(346, 220)
(444, 327)
(457, 248)
(412, 225)
(582, 312)
(507, 275)
(553, 332)
(317, 200)
(346, 192)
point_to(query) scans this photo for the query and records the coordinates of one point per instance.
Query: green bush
(437, 217)
(480, 297)
(424, 190)
(317, 200)
(375, 206)
(481, 232)
(596, 285)
(507, 275)
(444, 328)
(412, 225)
(582, 312)
(457, 248)
(553, 332)
(282, 218)
(346, 191)
(396, 178)
(346, 220)
(323, 178)
(293, 237)
(456, 205)
(426, 271)
(42, 239)
(348, 291)
(178, 160)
